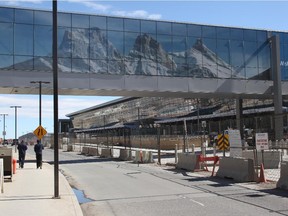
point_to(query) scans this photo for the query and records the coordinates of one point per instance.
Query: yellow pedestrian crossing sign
(40, 132)
(223, 141)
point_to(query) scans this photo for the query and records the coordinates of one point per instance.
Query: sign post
(261, 140)
(235, 143)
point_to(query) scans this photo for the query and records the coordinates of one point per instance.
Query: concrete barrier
(147, 157)
(283, 180)
(106, 152)
(1, 175)
(271, 158)
(125, 154)
(238, 169)
(67, 147)
(186, 161)
(93, 151)
(85, 150)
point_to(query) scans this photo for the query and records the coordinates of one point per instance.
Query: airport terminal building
(168, 72)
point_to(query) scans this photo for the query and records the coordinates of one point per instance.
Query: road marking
(201, 204)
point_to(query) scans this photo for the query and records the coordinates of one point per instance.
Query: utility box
(7, 155)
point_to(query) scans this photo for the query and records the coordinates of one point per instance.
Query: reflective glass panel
(80, 65)
(194, 55)
(164, 28)
(132, 25)
(132, 44)
(24, 16)
(223, 51)
(261, 35)
(179, 29)
(251, 73)
(238, 72)
(194, 30)
(236, 34)
(263, 56)
(237, 56)
(209, 58)
(6, 38)
(23, 39)
(64, 64)
(42, 18)
(251, 54)
(64, 42)
(181, 70)
(6, 61)
(209, 31)
(45, 64)
(80, 21)
(115, 45)
(80, 43)
(147, 46)
(284, 61)
(179, 44)
(135, 67)
(250, 35)
(264, 60)
(148, 27)
(98, 22)
(43, 41)
(223, 59)
(164, 68)
(116, 67)
(6, 15)
(209, 46)
(98, 66)
(23, 62)
(283, 38)
(115, 23)
(98, 44)
(165, 42)
(64, 19)
(223, 33)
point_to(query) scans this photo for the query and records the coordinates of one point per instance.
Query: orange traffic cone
(262, 176)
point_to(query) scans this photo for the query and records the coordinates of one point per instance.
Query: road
(123, 188)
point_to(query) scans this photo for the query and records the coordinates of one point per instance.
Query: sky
(271, 15)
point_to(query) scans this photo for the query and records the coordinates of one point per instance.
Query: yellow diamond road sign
(40, 132)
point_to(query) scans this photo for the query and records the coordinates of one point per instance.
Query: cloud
(17, 2)
(91, 5)
(137, 14)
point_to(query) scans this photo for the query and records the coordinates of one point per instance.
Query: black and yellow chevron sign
(223, 141)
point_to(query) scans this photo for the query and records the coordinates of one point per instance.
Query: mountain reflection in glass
(121, 46)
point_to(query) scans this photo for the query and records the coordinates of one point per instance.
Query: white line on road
(201, 204)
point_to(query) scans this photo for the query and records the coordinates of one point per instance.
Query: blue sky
(270, 15)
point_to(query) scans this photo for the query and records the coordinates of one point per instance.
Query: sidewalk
(31, 193)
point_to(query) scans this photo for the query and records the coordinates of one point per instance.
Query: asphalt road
(125, 189)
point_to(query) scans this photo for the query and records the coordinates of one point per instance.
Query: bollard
(193, 148)
(176, 151)
(214, 149)
(14, 162)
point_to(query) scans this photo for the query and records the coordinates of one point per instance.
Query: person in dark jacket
(38, 150)
(21, 153)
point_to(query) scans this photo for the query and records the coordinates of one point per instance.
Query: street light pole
(4, 132)
(40, 97)
(15, 107)
(55, 98)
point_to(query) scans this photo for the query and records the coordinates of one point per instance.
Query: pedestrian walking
(21, 153)
(38, 150)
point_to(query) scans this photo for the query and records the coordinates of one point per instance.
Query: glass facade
(110, 45)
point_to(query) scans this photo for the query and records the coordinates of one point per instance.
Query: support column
(277, 88)
(239, 116)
